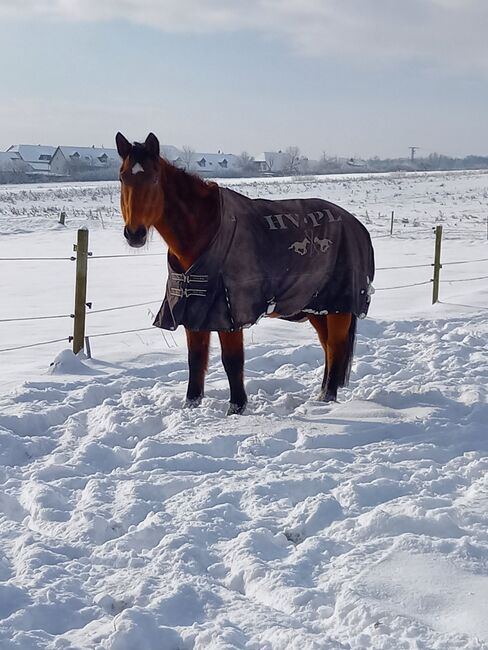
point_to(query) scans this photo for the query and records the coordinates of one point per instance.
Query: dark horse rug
(272, 257)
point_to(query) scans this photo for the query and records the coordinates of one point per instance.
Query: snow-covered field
(130, 523)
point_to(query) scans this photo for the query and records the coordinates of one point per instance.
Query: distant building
(272, 162)
(12, 163)
(99, 163)
(216, 164)
(69, 161)
(277, 163)
(172, 154)
(38, 157)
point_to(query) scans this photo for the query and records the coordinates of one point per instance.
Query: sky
(345, 77)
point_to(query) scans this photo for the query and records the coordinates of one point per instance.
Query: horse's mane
(188, 183)
(183, 182)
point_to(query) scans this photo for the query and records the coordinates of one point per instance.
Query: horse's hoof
(236, 409)
(327, 397)
(193, 402)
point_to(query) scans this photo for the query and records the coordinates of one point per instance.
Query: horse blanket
(279, 258)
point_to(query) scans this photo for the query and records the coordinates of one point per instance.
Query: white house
(37, 156)
(172, 154)
(67, 160)
(215, 164)
(279, 162)
(272, 162)
(12, 163)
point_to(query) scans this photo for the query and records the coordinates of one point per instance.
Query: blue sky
(371, 79)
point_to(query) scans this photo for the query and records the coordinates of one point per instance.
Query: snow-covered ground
(130, 523)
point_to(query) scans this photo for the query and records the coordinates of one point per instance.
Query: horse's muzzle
(136, 238)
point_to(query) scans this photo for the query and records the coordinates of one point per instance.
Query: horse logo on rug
(319, 246)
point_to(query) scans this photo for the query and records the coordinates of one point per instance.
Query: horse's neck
(190, 214)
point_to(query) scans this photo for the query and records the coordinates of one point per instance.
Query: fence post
(81, 248)
(437, 264)
(62, 218)
(391, 225)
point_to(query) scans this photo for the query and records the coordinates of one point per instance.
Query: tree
(246, 162)
(292, 165)
(188, 156)
(271, 159)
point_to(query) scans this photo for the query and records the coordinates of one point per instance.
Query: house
(172, 154)
(12, 168)
(216, 164)
(278, 163)
(67, 161)
(37, 156)
(272, 162)
(12, 163)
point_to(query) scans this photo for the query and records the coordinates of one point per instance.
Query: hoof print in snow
(294, 536)
(111, 605)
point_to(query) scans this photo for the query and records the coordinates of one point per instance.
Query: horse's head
(141, 197)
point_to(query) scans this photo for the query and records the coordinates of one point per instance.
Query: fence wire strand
(411, 266)
(28, 318)
(485, 259)
(480, 277)
(34, 345)
(136, 304)
(418, 266)
(141, 329)
(135, 256)
(36, 259)
(403, 286)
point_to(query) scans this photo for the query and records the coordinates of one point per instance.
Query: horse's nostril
(138, 233)
(136, 237)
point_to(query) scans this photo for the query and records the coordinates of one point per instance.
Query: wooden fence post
(62, 218)
(391, 225)
(437, 264)
(81, 248)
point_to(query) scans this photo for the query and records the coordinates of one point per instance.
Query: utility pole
(412, 153)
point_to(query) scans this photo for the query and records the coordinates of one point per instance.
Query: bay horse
(185, 211)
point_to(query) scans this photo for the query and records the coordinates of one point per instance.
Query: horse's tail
(345, 369)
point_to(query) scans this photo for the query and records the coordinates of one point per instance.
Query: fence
(79, 339)
(396, 227)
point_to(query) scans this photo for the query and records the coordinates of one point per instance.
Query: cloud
(448, 34)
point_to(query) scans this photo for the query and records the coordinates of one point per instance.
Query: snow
(128, 522)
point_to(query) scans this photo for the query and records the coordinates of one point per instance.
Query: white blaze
(137, 168)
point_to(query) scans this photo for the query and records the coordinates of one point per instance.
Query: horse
(186, 211)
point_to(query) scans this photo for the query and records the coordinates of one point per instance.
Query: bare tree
(270, 159)
(188, 156)
(246, 162)
(292, 160)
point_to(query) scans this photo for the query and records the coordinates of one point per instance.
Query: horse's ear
(123, 145)
(152, 145)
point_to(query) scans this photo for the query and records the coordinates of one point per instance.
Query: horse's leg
(319, 323)
(341, 335)
(336, 334)
(232, 344)
(198, 346)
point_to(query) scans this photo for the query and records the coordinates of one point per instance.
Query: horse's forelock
(139, 154)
